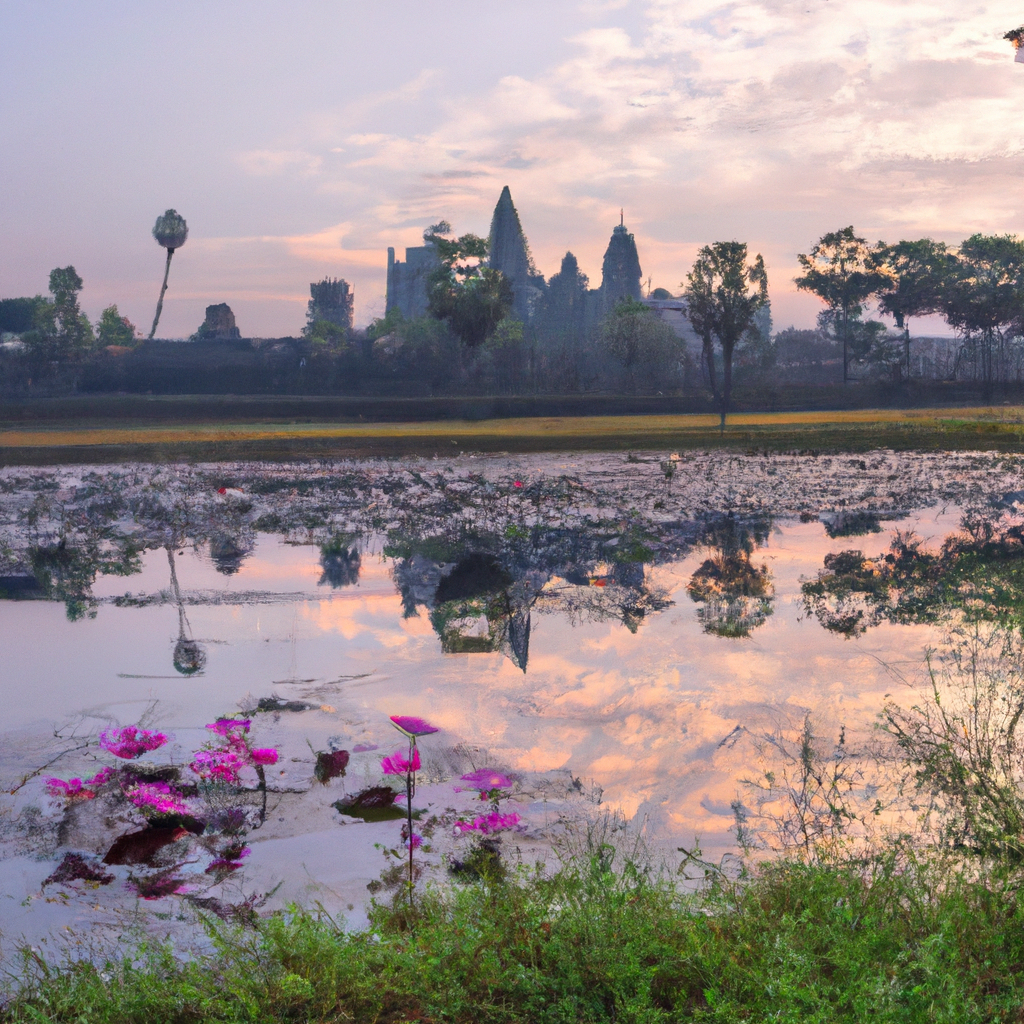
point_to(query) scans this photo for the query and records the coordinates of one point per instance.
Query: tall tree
(62, 331)
(635, 336)
(464, 291)
(917, 274)
(839, 270)
(170, 231)
(699, 296)
(723, 295)
(984, 295)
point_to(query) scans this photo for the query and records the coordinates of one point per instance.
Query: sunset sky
(300, 140)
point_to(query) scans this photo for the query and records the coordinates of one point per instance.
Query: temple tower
(509, 252)
(620, 272)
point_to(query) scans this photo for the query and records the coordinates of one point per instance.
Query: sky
(299, 141)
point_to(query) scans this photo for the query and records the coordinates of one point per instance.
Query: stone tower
(508, 252)
(620, 272)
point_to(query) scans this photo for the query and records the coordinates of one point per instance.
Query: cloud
(266, 162)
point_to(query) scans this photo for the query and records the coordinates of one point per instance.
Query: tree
(170, 231)
(917, 273)
(464, 291)
(329, 312)
(637, 338)
(699, 296)
(984, 296)
(114, 329)
(840, 272)
(19, 315)
(62, 332)
(723, 295)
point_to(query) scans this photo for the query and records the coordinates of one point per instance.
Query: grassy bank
(1000, 427)
(891, 941)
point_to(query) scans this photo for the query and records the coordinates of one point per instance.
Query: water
(537, 610)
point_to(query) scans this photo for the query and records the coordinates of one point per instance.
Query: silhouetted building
(509, 252)
(620, 271)
(407, 282)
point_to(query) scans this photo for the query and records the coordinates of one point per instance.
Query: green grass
(843, 430)
(897, 941)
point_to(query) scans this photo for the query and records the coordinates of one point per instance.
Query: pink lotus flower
(412, 727)
(485, 824)
(517, 483)
(73, 789)
(226, 726)
(158, 797)
(131, 741)
(223, 765)
(399, 764)
(264, 755)
(101, 776)
(485, 779)
(416, 841)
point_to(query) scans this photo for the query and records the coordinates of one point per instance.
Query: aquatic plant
(397, 764)
(156, 798)
(486, 824)
(130, 741)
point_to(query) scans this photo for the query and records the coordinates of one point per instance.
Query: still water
(615, 633)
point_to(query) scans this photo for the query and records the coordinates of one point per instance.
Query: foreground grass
(849, 430)
(796, 943)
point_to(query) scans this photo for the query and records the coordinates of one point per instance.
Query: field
(105, 438)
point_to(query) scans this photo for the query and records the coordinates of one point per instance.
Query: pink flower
(131, 741)
(226, 726)
(517, 483)
(70, 790)
(416, 841)
(264, 755)
(219, 764)
(485, 779)
(399, 764)
(412, 727)
(487, 823)
(101, 776)
(156, 796)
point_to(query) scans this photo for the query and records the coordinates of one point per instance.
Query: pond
(619, 635)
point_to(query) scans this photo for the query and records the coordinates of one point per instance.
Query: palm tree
(170, 231)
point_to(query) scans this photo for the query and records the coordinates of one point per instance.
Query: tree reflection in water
(978, 572)
(189, 655)
(736, 595)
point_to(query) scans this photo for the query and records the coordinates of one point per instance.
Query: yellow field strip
(580, 426)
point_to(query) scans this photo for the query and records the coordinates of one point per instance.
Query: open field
(1000, 427)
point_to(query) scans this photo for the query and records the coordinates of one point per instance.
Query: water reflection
(189, 656)
(977, 572)
(735, 594)
(339, 563)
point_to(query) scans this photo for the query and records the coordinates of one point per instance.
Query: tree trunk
(726, 382)
(160, 301)
(709, 362)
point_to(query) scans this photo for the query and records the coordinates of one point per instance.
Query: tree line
(471, 341)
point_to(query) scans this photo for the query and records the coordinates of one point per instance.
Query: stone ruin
(219, 324)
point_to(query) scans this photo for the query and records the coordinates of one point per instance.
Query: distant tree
(637, 337)
(114, 329)
(19, 315)
(723, 296)
(839, 270)
(329, 312)
(61, 332)
(170, 231)
(699, 296)
(563, 309)
(917, 273)
(507, 348)
(984, 297)
(472, 297)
